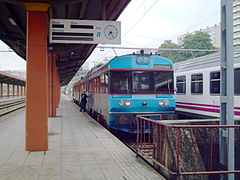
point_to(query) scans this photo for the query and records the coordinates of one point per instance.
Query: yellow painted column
(36, 82)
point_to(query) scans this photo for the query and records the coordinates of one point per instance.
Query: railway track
(8, 105)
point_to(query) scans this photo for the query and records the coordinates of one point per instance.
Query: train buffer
(79, 148)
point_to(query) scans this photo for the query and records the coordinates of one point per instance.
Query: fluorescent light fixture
(11, 20)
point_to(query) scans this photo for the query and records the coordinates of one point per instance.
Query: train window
(88, 86)
(102, 88)
(102, 78)
(106, 82)
(181, 84)
(215, 82)
(141, 81)
(237, 81)
(197, 84)
(120, 82)
(95, 85)
(163, 81)
(106, 78)
(98, 84)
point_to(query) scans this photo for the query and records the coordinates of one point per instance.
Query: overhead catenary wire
(139, 19)
(158, 49)
(195, 25)
(145, 12)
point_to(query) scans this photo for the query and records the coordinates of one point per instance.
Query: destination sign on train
(84, 31)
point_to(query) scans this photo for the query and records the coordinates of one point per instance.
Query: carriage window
(163, 81)
(95, 85)
(181, 84)
(197, 84)
(106, 82)
(237, 81)
(102, 78)
(141, 81)
(106, 78)
(88, 85)
(120, 82)
(215, 82)
(102, 83)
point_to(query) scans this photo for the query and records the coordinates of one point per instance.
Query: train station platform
(79, 149)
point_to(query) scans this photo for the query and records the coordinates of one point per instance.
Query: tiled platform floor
(79, 149)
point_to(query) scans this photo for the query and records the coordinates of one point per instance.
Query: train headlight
(127, 103)
(144, 103)
(121, 103)
(160, 103)
(166, 102)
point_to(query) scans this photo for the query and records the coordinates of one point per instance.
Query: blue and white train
(127, 86)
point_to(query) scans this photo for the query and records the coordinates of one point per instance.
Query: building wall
(214, 33)
(236, 22)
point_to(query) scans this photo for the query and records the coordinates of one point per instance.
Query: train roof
(99, 67)
(104, 65)
(207, 61)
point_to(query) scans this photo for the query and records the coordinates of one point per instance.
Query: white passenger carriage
(197, 82)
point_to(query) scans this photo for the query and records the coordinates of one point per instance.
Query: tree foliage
(198, 40)
(171, 54)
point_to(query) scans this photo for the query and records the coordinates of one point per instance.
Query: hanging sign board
(84, 31)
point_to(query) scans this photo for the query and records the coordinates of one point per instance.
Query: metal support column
(1, 90)
(8, 91)
(227, 89)
(17, 90)
(13, 90)
(21, 91)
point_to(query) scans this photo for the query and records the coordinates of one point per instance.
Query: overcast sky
(146, 23)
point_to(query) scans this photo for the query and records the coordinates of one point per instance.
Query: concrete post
(36, 99)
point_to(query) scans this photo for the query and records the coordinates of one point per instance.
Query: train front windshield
(141, 82)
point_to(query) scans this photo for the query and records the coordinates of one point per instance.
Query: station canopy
(11, 79)
(70, 57)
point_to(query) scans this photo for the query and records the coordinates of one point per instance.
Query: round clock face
(110, 32)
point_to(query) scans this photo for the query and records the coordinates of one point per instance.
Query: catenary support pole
(227, 89)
